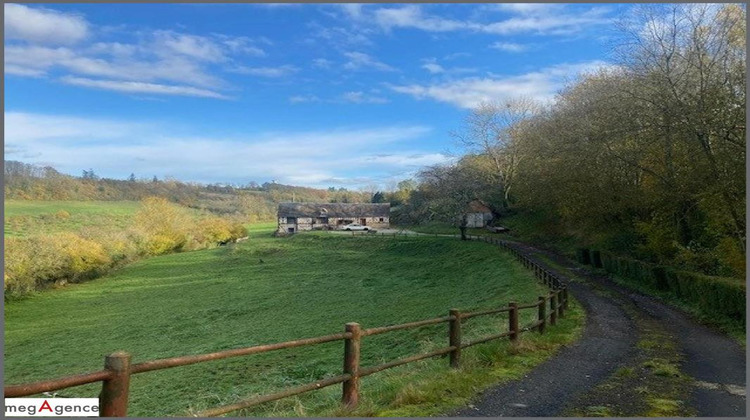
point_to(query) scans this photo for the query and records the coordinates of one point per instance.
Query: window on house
(291, 220)
(382, 220)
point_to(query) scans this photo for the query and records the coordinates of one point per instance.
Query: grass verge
(431, 388)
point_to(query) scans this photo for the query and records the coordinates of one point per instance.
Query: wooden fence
(115, 376)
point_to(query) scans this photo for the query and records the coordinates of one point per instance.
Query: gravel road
(615, 319)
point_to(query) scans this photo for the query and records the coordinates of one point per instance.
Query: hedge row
(160, 227)
(713, 295)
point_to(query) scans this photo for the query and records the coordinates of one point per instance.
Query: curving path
(604, 370)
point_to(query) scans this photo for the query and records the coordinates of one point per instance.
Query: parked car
(355, 226)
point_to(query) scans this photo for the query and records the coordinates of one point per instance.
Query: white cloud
(352, 10)
(541, 85)
(298, 99)
(244, 45)
(360, 60)
(279, 71)
(23, 71)
(22, 127)
(359, 97)
(553, 24)
(508, 46)
(411, 16)
(142, 87)
(526, 8)
(163, 62)
(192, 46)
(43, 26)
(433, 67)
(339, 37)
(322, 63)
(117, 148)
(543, 19)
(41, 59)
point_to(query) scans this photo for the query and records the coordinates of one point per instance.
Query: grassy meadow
(268, 290)
(32, 217)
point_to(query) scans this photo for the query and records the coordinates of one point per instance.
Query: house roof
(478, 206)
(334, 209)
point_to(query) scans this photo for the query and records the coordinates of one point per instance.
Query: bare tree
(491, 129)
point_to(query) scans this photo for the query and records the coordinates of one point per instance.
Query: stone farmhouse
(295, 217)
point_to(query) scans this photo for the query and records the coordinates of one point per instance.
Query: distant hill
(31, 182)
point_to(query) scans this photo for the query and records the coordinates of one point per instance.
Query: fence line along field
(260, 291)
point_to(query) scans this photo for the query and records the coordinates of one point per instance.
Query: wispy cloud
(359, 97)
(541, 85)
(142, 87)
(299, 99)
(117, 148)
(508, 46)
(350, 97)
(541, 19)
(280, 71)
(340, 37)
(322, 63)
(44, 26)
(362, 61)
(161, 62)
(412, 16)
(432, 66)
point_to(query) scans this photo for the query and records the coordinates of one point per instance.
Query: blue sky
(318, 95)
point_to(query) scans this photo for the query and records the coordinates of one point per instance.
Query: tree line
(645, 157)
(256, 202)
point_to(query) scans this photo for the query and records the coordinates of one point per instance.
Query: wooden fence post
(350, 397)
(113, 401)
(542, 314)
(553, 308)
(513, 321)
(560, 303)
(454, 338)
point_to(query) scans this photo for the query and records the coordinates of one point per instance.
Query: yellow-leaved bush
(160, 227)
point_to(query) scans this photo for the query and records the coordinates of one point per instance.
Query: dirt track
(636, 357)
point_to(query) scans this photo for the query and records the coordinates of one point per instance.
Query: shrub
(213, 230)
(62, 215)
(163, 226)
(31, 263)
(712, 295)
(160, 227)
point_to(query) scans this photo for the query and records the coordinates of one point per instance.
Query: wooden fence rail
(115, 376)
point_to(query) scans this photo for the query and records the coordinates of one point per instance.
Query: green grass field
(269, 290)
(445, 229)
(29, 217)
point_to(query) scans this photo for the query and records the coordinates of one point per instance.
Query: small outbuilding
(295, 217)
(478, 214)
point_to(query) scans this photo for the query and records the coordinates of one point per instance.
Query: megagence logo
(52, 407)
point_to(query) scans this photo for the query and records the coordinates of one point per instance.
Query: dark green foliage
(583, 256)
(596, 259)
(715, 296)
